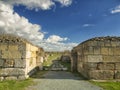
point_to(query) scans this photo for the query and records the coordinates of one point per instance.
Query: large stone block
(101, 74)
(12, 72)
(92, 66)
(1, 78)
(101, 43)
(28, 54)
(20, 63)
(22, 47)
(9, 63)
(13, 47)
(92, 43)
(33, 48)
(107, 43)
(117, 66)
(11, 54)
(115, 43)
(33, 54)
(111, 58)
(104, 51)
(28, 47)
(3, 47)
(96, 50)
(11, 78)
(111, 51)
(105, 66)
(91, 50)
(95, 58)
(117, 51)
(117, 74)
(2, 62)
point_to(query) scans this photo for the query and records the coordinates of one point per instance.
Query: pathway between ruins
(62, 80)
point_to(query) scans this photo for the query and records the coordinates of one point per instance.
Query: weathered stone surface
(104, 51)
(11, 54)
(117, 66)
(3, 47)
(11, 72)
(9, 63)
(13, 47)
(101, 55)
(20, 63)
(22, 77)
(101, 74)
(28, 54)
(2, 62)
(111, 51)
(1, 78)
(97, 50)
(95, 58)
(11, 78)
(117, 74)
(91, 50)
(105, 66)
(111, 58)
(117, 51)
(18, 57)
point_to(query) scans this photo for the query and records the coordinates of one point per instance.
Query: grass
(108, 85)
(66, 64)
(52, 57)
(15, 85)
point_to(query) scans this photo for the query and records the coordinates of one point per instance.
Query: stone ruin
(18, 58)
(98, 58)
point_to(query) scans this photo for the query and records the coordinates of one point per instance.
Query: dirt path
(61, 80)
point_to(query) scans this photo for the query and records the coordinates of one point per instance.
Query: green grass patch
(66, 64)
(51, 57)
(15, 84)
(108, 85)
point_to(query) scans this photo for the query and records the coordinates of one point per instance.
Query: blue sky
(72, 22)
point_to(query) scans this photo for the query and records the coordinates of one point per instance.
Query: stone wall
(98, 58)
(18, 57)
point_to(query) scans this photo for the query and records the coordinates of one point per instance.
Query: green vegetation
(51, 57)
(15, 85)
(108, 85)
(66, 64)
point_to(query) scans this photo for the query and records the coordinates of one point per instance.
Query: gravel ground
(61, 80)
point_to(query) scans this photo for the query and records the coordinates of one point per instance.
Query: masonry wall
(99, 58)
(18, 58)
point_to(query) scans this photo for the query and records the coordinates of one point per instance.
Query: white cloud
(88, 25)
(57, 46)
(38, 4)
(116, 10)
(65, 2)
(55, 39)
(12, 23)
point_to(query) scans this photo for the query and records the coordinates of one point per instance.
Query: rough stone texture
(18, 57)
(97, 58)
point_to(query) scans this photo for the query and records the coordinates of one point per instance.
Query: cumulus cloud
(116, 10)
(12, 23)
(65, 2)
(38, 4)
(56, 39)
(57, 46)
(88, 25)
